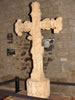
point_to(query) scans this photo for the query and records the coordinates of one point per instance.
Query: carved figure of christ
(34, 28)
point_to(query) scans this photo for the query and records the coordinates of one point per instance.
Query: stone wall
(59, 64)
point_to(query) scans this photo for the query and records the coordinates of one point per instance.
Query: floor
(22, 94)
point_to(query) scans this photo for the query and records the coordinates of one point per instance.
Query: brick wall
(59, 64)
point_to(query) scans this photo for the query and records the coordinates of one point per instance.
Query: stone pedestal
(38, 88)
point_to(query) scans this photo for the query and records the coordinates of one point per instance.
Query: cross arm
(22, 27)
(52, 24)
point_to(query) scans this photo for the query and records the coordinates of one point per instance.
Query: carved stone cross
(37, 85)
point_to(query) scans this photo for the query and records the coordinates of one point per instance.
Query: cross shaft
(37, 85)
(34, 28)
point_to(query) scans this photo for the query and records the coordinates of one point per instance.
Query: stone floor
(4, 94)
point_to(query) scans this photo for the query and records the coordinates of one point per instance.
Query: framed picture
(48, 42)
(10, 52)
(10, 38)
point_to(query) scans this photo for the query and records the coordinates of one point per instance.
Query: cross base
(38, 88)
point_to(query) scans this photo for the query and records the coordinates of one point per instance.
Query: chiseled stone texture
(59, 62)
(38, 88)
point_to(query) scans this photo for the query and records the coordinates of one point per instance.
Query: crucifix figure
(37, 85)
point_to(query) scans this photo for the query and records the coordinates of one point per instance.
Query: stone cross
(38, 80)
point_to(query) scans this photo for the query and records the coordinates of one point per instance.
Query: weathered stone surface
(34, 27)
(38, 88)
